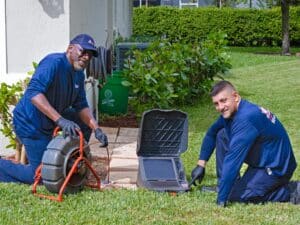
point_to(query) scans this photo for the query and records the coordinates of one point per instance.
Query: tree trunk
(285, 7)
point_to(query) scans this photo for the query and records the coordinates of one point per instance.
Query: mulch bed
(129, 120)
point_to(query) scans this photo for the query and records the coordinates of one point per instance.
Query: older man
(55, 97)
(247, 133)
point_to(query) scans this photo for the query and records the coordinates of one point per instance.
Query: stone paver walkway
(122, 150)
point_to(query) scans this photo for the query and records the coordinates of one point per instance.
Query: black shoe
(294, 187)
(214, 189)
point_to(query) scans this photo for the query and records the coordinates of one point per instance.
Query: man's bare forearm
(41, 102)
(87, 117)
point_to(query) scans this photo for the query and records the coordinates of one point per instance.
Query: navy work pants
(35, 148)
(257, 185)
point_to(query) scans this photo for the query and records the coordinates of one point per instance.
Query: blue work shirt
(62, 86)
(256, 137)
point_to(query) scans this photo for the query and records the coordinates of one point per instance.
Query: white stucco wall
(90, 17)
(31, 29)
(34, 28)
(100, 18)
(123, 19)
(2, 39)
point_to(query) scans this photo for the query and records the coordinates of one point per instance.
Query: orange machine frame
(59, 197)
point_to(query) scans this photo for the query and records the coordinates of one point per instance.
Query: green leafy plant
(168, 74)
(34, 64)
(9, 97)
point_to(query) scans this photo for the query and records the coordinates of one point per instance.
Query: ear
(69, 52)
(236, 96)
(70, 48)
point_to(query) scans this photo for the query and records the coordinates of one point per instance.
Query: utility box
(163, 136)
(123, 51)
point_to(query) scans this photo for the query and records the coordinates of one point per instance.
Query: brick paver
(122, 149)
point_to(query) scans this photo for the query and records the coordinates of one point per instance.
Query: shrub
(9, 97)
(169, 74)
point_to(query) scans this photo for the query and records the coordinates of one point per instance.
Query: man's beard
(78, 67)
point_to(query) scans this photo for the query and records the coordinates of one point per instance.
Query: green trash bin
(113, 98)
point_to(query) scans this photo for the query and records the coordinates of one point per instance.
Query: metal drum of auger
(65, 166)
(163, 137)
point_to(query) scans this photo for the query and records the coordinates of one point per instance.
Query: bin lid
(162, 133)
(116, 78)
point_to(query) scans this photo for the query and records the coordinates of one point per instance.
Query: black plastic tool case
(163, 136)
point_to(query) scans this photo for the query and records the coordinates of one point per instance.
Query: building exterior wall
(90, 17)
(2, 39)
(31, 29)
(123, 18)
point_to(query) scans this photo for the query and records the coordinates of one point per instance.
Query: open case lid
(162, 133)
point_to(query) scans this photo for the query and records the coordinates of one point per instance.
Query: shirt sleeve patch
(270, 116)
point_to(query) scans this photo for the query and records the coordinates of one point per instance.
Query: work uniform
(256, 137)
(64, 89)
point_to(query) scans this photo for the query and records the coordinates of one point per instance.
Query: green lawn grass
(272, 81)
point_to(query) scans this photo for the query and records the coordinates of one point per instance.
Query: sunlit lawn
(269, 80)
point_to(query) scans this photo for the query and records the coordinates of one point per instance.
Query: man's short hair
(220, 86)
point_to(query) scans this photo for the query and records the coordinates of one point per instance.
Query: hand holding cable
(101, 137)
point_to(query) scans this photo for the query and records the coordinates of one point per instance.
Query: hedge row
(244, 27)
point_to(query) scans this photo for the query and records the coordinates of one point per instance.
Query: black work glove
(100, 136)
(197, 175)
(68, 127)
